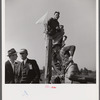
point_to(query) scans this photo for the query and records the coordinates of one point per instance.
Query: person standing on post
(54, 30)
(53, 24)
(12, 68)
(30, 72)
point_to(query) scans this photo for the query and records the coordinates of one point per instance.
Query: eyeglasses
(14, 55)
(22, 53)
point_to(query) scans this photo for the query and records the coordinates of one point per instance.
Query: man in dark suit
(30, 72)
(54, 30)
(12, 67)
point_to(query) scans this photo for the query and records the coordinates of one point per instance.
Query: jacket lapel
(28, 62)
(10, 67)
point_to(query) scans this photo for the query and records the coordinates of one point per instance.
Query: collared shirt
(12, 64)
(25, 61)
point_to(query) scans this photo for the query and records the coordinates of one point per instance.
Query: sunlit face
(13, 57)
(56, 15)
(57, 49)
(66, 57)
(23, 55)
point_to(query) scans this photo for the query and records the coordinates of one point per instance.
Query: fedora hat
(11, 52)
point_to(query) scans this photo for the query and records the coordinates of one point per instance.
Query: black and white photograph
(50, 43)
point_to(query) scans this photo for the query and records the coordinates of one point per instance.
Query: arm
(6, 74)
(57, 71)
(72, 50)
(49, 24)
(37, 73)
(19, 71)
(68, 50)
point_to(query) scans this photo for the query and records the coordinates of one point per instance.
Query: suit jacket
(52, 24)
(30, 72)
(10, 75)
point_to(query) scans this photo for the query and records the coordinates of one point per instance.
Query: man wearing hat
(30, 72)
(12, 67)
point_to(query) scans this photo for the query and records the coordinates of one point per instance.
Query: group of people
(62, 56)
(26, 71)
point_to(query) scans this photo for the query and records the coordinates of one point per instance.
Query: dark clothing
(12, 76)
(55, 31)
(52, 26)
(30, 72)
(9, 74)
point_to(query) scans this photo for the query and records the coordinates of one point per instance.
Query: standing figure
(70, 68)
(54, 30)
(30, 72)
(12, 68)
(57, 64)
(53, 24)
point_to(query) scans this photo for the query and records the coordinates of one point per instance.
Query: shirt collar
(25, 61)
(11, 62)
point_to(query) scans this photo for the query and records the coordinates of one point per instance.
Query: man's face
(56, 15)
(57, 49)
(13, 57)
(66, 57)
(23, 55)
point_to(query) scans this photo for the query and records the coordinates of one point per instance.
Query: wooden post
(48, 63)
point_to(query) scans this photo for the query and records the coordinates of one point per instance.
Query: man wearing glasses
(30, 72)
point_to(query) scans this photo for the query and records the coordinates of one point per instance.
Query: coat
(30, 72)
(10, 75)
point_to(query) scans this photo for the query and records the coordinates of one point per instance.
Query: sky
(77, 16)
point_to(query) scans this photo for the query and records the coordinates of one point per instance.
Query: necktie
(23, 63)
(15, 68)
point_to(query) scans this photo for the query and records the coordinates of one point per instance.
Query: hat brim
(12, 54)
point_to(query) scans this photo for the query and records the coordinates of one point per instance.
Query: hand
(57, 27)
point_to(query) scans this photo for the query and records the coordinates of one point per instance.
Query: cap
(11, 52)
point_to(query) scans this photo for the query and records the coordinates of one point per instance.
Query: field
(89, 78)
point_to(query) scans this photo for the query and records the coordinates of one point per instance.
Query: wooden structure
(48, 64)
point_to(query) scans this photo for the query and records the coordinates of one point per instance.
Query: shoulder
(31, 60)
(7, 62)
(50, 19)
(74, 66)
(19, 62)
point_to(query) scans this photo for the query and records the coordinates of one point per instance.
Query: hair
(56, 12)
(25, 50)
(9, 56)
